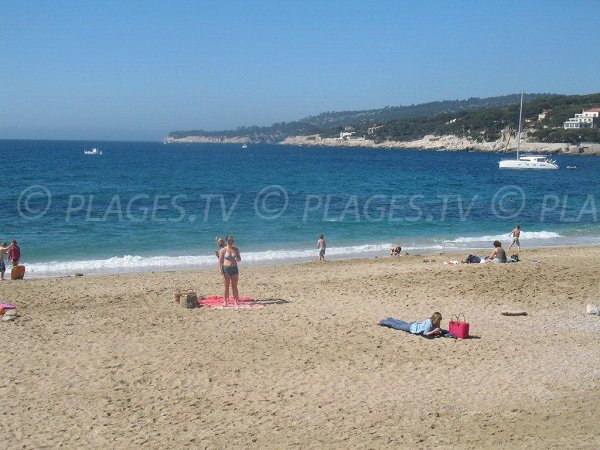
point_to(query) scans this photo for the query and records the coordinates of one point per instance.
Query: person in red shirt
(14, 253)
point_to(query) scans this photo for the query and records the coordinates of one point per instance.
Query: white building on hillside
(587, 119)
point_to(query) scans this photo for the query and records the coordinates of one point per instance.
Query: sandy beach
(114, 362)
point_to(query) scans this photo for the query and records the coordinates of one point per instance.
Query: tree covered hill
(487, 124)
(481, 119)
(369, 117)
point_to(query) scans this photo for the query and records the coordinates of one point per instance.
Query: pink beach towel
(7, 306)
(219, 303)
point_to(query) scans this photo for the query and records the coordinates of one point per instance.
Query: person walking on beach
(14, 253)
(229, 257)
(3, 251)
(321, 245)
(515, 234)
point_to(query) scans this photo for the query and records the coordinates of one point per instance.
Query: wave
(500, 237)
(134, 263)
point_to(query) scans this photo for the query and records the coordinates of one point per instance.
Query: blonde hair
(436, 318)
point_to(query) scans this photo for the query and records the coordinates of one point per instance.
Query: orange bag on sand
(17, 273)
(1, 311)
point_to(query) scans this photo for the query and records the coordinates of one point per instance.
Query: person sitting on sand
(498, 254)
(229, 257)
(429, 327)
(395, 251)
(515, 234)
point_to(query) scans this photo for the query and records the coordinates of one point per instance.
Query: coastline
(112, 361)
(429, 142)
(163, 264)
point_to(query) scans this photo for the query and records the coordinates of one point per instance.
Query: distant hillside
(330, 120)
(487, 124)
(481, 119)
(372, 116)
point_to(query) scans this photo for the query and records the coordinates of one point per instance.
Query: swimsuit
(230, 270)
(322, 248)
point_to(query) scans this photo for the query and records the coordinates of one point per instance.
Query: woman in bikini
(229, 257)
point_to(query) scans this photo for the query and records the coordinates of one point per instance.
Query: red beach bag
(459, 328)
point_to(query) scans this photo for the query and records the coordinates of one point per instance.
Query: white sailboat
(526, 161)
(93, 151)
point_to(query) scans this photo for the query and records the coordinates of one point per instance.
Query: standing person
(14, 253)
(321, 245)
(229, 257)
(515, 234)
(3, 251)
(220, 244)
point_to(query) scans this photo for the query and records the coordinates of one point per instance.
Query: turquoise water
(149, 206)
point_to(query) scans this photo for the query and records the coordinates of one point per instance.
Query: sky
(136, 70)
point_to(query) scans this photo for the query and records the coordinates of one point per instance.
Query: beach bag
(187, 299)
(17, 273)
(459, 328)
(472, 259)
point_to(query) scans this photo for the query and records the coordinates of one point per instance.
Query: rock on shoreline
(447, 142)
(429, 142)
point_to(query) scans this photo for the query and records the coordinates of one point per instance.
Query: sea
(148, 206)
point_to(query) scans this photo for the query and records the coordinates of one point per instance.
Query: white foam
(134, 263)
(500, 237)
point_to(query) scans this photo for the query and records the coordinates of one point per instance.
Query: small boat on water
(526, 161)
(571, 167)
(244, 145)
(93, 151)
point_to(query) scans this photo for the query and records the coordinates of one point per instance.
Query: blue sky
(135, 70)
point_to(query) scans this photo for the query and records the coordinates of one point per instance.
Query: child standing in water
(515, 234)
(321, 245)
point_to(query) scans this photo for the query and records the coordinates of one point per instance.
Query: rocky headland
(429, 142)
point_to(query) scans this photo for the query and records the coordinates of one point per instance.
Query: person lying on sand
(429, 327)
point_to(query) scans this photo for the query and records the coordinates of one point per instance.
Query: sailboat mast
(519, 133)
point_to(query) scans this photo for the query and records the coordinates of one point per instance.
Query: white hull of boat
(520, 164)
